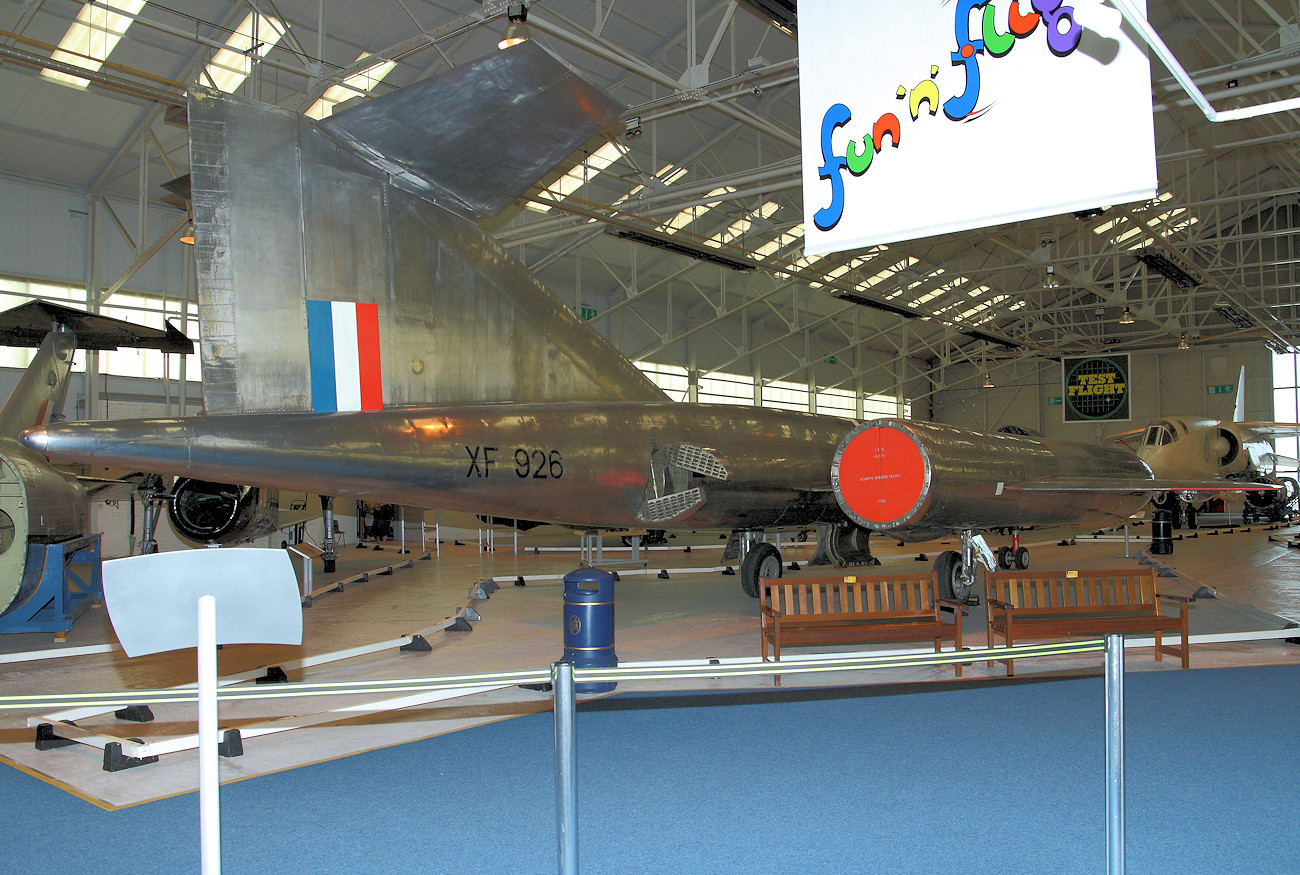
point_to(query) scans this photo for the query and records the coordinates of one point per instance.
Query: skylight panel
(667, 175)
(738, 228)
(92, 37)
(256, 35)
(359, 83)
(580, 173)
(783, 240)
(690, 214)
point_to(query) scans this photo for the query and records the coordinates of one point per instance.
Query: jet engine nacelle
(219, 513)
(920, 480)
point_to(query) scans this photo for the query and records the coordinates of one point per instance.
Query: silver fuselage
(580, 464)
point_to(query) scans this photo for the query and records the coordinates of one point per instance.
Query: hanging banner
(1095, 387)
(937, 116)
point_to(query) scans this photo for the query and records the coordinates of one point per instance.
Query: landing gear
(952, 578)
(330, 543)
(761, 560)
(1014, 556)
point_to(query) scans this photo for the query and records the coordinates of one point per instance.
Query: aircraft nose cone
(36, 439)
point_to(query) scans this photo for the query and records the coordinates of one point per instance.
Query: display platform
(693, 613)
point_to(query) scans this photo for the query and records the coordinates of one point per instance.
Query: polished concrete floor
(694, 613)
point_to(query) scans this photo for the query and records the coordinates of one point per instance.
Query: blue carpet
(969, 778)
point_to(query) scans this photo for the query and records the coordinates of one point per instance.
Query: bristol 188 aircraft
(364, 336)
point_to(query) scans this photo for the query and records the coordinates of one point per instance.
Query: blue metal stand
(58, 593)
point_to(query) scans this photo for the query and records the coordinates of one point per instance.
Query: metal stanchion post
(209, 780)
(566, 768)
(1114, 754)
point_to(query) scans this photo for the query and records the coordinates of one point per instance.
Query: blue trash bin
(589, 624)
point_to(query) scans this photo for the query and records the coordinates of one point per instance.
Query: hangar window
(785, 395)
(884, 405)
(720, 388)
(1286, 406)
(837, 402)
(142, 309)
(673, 379)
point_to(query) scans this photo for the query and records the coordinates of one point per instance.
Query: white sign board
(152, 599)
(936, 116)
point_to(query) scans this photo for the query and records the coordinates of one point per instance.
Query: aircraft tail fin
(39, 395)
(341, 265)
(1239, 405)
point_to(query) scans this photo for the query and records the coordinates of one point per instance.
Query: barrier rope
(538, 676)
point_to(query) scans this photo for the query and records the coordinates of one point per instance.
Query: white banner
(934, 116)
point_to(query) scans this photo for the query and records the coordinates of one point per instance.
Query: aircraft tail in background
(1239, 406)
(40, 392)
(341, 264)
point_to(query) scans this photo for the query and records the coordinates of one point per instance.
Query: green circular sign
(1097, 388)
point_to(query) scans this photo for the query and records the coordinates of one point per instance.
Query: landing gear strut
(330, 543)
(957, 570)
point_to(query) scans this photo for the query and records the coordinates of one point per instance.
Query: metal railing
(564, 677)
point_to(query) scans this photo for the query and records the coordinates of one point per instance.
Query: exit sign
(1221, 389)
(831, 360)
(1054, 400)
(587, 313)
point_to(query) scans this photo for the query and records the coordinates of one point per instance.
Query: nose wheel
(954, 581)
(1009, 558)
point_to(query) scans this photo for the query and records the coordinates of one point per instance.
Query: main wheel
(1004, 557)
(762, 560)
(1022, 558)
(949, 568)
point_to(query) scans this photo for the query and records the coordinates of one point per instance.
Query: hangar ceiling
(706, 158)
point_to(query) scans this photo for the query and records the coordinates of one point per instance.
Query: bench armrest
(950, 603)
(1002, 606)
(1176, 598)
(769, 612)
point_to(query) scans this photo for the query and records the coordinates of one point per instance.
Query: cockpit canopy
(1159, 434)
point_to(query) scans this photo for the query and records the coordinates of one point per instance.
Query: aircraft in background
(1236, 450)
(41, 503)
(378, 344)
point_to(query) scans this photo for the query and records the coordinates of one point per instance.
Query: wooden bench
(1056, 604)
(863, 608)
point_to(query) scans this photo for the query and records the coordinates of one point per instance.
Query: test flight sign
(934, 116)
(1096, 388)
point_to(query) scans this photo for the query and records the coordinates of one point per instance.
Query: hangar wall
(45, 235)
(1167, 383)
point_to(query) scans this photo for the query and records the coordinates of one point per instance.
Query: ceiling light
(988, 381)
(1182, 342)
(1127, 318)
(516, 30)
(187, 236)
